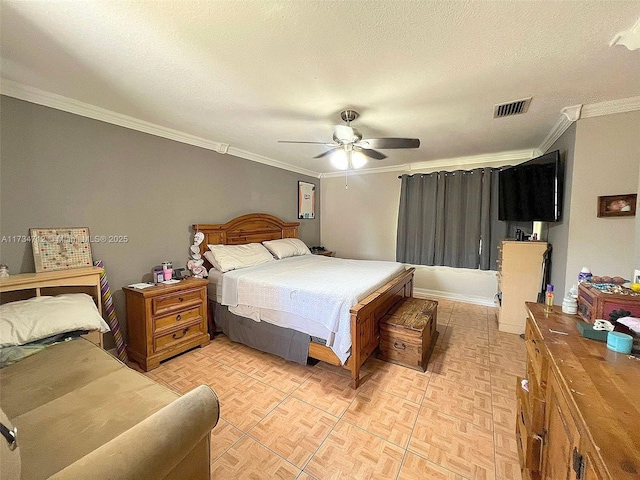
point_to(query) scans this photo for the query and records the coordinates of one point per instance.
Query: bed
(363, 315)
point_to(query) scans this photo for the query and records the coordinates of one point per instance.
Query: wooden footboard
(365, 320)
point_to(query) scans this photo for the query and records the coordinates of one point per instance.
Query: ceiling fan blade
(328, 152)
(384, 143)
(373, 154)
(295, 141)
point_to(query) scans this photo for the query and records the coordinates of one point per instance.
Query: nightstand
(166, 320)
(325, 253)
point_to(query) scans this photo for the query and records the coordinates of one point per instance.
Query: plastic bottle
(584, 275)
(548, 299)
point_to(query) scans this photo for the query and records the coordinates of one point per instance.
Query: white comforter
(317, 288)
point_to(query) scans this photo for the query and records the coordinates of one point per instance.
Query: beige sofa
(82, 414)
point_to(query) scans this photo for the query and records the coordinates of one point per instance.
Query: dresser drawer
(174, 338)
(531, 406)
(535, 354)
(179, 318)
(173, 301)
(529, 444)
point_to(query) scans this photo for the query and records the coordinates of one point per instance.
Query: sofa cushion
(52, 373)
(71, 399)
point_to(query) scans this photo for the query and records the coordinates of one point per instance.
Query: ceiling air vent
(512, 108)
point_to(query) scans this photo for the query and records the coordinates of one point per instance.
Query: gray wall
(62, 170)
(558, 235)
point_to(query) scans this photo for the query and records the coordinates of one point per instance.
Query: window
(450, 219)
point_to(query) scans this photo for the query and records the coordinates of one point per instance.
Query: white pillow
(232, 257)
(287, 247)
(29, 320)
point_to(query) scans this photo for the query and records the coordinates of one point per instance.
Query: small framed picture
(617, 205)
(306, 200)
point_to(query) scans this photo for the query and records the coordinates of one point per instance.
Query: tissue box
(587, 331)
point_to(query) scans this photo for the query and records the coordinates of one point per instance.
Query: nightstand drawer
(173, 301)
(170, 339)
(179, 318)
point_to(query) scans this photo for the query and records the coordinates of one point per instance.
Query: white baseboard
(456, 297)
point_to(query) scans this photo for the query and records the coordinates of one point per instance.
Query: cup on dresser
(167, 270)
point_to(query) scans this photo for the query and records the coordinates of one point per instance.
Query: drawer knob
(179, 317)
(180, 299)
(176, 336)
(402, 346)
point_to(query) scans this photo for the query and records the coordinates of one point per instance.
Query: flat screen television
(532, 191)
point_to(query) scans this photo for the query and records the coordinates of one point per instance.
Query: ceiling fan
(348, 141)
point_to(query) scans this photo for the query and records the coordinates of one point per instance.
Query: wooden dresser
(580, 418)
(520, 266)
(165, 320)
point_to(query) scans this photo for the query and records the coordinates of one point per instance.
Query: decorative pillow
(287, 247)
(29, 320)
(232, 257)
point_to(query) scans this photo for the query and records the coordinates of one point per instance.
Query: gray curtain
(450, 219)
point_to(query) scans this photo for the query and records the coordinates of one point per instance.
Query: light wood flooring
(287, 421)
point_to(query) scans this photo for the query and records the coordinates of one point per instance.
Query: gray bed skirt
(266, 337)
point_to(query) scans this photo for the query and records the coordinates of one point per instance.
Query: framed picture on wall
(617, 205)
(306, 200)
(60, 248)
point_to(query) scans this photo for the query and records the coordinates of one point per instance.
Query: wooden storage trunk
(594, 304)
(408, 333)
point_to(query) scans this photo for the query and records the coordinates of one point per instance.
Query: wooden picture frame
(617, 205)
(306, 200)
(60, 248)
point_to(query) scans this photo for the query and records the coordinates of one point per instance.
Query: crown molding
(574, 113)
(366, 171)
(254, 157)
(59, 102)
(556, 132)
(621, 105)
(488, 159)
(501, 158)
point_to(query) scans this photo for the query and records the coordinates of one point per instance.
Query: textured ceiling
(251, 73)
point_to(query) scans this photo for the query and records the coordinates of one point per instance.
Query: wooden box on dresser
(165, 320)
(594, 304)
(580, 418)
(520, 266)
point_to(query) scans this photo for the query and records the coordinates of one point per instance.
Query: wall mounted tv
(532, 191)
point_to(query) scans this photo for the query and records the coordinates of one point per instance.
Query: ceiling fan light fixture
(358, 160)
(339, 159)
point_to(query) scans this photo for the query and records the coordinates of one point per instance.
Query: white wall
(606, 162)
(361, 221)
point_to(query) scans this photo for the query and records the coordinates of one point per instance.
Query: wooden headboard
(250, 228)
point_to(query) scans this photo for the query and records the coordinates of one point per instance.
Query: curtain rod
(448, 172)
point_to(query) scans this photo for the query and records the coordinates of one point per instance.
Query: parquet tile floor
(286, 421)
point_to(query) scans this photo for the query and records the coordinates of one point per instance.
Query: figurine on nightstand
(195, 265)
